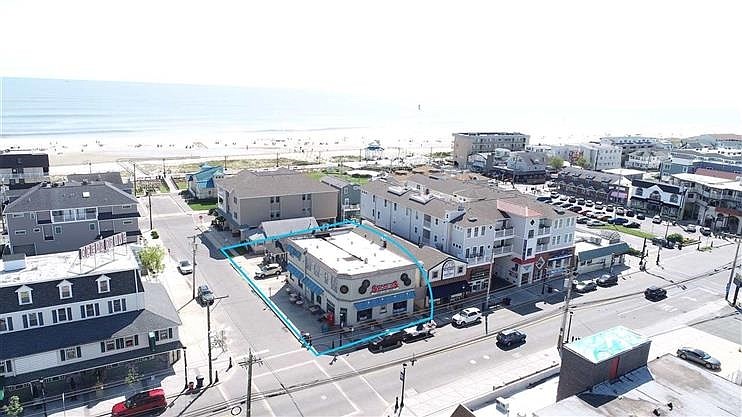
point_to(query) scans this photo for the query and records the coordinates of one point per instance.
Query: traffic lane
(163, 205)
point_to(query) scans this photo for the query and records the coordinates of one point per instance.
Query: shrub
(155, 235)
(675, 237)
(14, 407)
(152, 258)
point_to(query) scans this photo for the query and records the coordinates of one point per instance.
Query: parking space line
(363, 378)
(265, 401)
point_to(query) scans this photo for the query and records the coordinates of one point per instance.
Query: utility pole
(149, 197)
(225, 162)
(402, 377)
(135, 178)
(659, 249)
(489, 284)
(567, 298)
(193, 269)
(185, 365)
(248, 364)
(731, 273)
(208, 333)
(667, 228)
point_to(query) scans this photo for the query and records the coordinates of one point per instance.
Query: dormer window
(104, 284)
(65, 289)
(24, 295)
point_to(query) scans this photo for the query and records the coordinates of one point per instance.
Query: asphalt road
(249, 324)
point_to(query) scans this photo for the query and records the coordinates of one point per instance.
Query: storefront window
(400, 307)
(363, 315)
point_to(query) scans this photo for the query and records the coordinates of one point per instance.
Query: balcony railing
(500, 250)
(477, 260)
(542, 248)
(507, 232)
(543, 231)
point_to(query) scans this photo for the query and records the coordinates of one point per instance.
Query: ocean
(48, 107)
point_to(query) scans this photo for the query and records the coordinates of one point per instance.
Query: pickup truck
(421, 331)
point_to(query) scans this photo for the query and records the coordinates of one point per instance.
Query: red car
(140, 404)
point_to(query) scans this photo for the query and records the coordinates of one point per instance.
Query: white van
(269, 270)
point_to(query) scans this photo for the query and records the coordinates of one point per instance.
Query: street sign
(401, 375)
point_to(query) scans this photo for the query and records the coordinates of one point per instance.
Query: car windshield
(184, 263)
(129, 403)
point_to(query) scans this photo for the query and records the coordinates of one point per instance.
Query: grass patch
(198, 205)
(628, 231)
(317, 175)
(182, 184)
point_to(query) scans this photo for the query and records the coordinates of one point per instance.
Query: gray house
(113, 177)
(250, 198)
(349, 197)
(52, 218)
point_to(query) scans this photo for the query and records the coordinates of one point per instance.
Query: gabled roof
(69, 196)
(205, 174)
(114, 177)
(668, 188)
(619, 248)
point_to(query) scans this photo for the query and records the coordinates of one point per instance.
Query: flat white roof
(623, 171)
(350, 253)
(58, 266)
(714, 182)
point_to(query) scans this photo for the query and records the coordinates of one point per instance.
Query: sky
(592, 54)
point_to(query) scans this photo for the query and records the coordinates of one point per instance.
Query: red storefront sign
(383, 287)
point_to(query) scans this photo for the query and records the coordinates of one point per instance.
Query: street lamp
(185, 365)
(402, 377)
(43, 395)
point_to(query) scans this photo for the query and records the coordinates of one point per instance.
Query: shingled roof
(69, 196)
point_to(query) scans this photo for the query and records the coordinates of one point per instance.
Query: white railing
(502, 250)
(508, 232)
(542, 248)
(544, 231)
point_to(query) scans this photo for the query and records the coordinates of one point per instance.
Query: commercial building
(52, 218)
(249, 198)
(351, 278)
(510, 234)
(629, 144)
(598, 157)
(349, 197)
(201, 184)
(711, 201)
(522, 167)
(593, 185)
(656, 198)
(465, 144)
(689, 160)
(87, 319)
(597, 254)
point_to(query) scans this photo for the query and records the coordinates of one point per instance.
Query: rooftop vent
(472, 219)
(421, 198)
(86, 194)
(395, 189)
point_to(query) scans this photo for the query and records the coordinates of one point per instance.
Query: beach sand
(84, 153)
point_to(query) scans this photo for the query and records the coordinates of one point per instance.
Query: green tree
(675, 237)
(556, 162)
(132, 377)
(14, 407)
(582, 162)
(153, 258)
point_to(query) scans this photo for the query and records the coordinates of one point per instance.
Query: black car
(655, 293)
(575, 209)
(640, 216)
(632, 225)
(699, 356)
(390, 341)
(706, 231)
(510, 337)
(607, 280)
(630, 213)
(582, 220)
(204, 296)
(572, 200)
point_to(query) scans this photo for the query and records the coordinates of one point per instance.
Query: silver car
(699, 356)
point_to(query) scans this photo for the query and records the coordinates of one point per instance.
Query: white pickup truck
(421, 331)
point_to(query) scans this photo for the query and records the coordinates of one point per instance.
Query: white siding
(36, 362)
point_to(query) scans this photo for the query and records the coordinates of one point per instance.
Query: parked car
(583, 220)
(185, 267)
(605, 217)
(510, 337)
(620, 211)
(699, 356)
(563, 197)
(618, 220)
(640, 216)
(554, 195)
(595, 223)
(632, 225)
(691, 228)
(204, 296)
(421, 331)
(706, 231)
(609, 208)
(581, 201)
(467, 317)
(575, 209)
(390, 341)
(655, 293)
(599, 206)
(606, 280)
(268, 270)
(151, 401)
(572, 200)
(657, 220)
(630, 213)
(589, 203)
(543, 198)
(585, 286)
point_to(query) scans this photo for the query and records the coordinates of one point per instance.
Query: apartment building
(251, 197)
(629, 144)
(23, 170)
(51, 218)
(524, 167)
(599, 157)
(690, 160)
(475, 223)
(349, 197)
(65, 318)
(648, 160)
(112, 177)
(714, 202)
(465, 144)
(594, 185)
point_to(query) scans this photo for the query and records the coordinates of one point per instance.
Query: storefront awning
(384, 300)
(313, 286)
(295, 271)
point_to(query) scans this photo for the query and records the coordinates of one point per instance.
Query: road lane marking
(337, 386)
(286, 368)
(472, 361)
(265, 400)
(363, 378)
(261, 352)
(278, 355)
